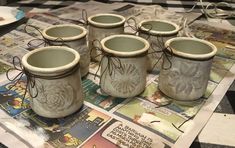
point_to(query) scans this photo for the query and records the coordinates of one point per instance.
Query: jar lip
(52, 38)
(108, 25)
(125, 54)
(154, 32)
(50, 71)
(188, 55)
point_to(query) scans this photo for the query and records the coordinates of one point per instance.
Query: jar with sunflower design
(123, 66)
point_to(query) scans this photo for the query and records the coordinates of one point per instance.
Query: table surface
(219, 131)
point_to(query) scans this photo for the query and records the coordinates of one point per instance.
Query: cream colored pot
(188, 70)
(123, 67)
(101, 26)
(56, 72)
(157, 32)
(73, 36)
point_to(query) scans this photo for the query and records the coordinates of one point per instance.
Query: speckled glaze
(131, 53)
(57, 97)
(161, 30)
(188, 76)
(73, 36)
(101, 26)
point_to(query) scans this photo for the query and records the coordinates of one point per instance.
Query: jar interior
(106, 19)
(158, 26)
(191, 46)
(124, 44)
(50, 58)
(64, 31)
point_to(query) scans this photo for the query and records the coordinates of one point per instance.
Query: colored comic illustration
(212, 33)
(11, 96)
(69, 131)
(4, 67)
(93, 96)
(118, 134)
(148, 115)
(153, 94)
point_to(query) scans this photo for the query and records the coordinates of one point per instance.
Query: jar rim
(106, 25)
(76, 37)
(190, 55)
(54, 70)
(155, 32)
(125, 54)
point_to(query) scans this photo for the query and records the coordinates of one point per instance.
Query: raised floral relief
(186, 78)
(125, 79)
(55, 96)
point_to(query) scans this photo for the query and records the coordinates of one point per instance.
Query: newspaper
(150, 119)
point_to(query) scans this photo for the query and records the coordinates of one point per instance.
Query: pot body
(58, 93)
(187, 68)
(154, 62)
(97, 33)
(186, 79)
(101, 26)
(123, 67)
(128, 81)
(157, 32)
(75, 38)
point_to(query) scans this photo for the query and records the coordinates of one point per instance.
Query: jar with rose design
(54, 72)
(123, 65)
(186, 68)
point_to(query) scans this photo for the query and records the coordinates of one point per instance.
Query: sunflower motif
(125, 79)
(186, 78)
(55, 96)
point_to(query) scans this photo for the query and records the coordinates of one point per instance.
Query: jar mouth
(191, 47)
(106, 20)
(124, 45)
(51, 60)
(65, 32)
(159, 27)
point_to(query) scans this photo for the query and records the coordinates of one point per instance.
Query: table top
(208, 114)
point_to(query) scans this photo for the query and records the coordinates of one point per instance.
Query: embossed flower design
(186, 78)
(125, 79)
(55, 97)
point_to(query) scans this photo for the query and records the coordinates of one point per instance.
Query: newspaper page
(150, 119)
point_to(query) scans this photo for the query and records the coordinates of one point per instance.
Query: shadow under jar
(103, 25)
(157, 32)
(123, 66)
(73, 36)
(187, 70)
(56, 72)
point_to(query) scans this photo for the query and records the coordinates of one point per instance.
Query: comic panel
(157, 120)
(95, 97)
(118, 134)
(70, 131)
(11, 97)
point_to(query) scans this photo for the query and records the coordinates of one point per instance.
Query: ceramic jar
(188, 70)
(157, 32)
(73, 36)
(123, 67)
(103, 25)
(56, 73)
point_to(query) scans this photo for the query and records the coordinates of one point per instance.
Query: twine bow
(30, 79)
(37, 42)
(166, 52)
(113, 62)
(131, 23)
